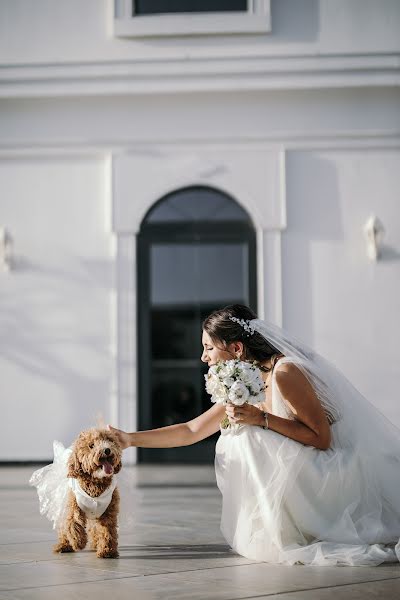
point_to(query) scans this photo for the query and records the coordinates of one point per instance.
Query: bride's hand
(122, 436)
(247, 414)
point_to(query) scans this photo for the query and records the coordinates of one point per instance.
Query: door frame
(251, 172)
(198, 232)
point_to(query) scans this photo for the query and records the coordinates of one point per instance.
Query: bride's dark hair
(221, 328)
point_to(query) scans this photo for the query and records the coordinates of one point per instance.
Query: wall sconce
(374, 232)
(6, 244)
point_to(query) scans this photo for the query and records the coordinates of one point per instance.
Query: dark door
(196, 253)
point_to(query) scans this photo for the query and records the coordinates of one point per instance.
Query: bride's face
(213, 352)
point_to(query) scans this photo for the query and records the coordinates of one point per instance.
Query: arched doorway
(196, 252)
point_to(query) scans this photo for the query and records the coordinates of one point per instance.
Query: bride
(312, 476)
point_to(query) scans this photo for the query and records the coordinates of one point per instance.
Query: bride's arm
(311, 426)
(172, 436)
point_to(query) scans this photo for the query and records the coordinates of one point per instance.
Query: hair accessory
(245, 324)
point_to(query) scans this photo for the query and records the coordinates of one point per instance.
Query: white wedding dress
(287, 503)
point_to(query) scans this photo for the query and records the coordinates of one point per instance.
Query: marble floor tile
(172, 549)
(382, 590)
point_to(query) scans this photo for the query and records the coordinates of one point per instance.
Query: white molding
(272, 277)
(126, 329)
(114, 400)
(324, 140)
(208, 73)
(257, 19)
(113, 387)
(260, 273)
(251, 176)
(282, 187)
(269, 259)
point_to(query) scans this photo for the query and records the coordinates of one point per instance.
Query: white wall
(125, 122)
(334, 296)
(55, 355)
(320, 90)
(48, 31)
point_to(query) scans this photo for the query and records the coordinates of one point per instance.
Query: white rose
(220, 394)
(258, 399)
(257, 388)
(213, 370)
(238, 394)
(250, 378)
(254, 380)
(212, 383)
(227, 369)
(228, 382)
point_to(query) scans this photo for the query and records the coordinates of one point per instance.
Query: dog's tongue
(107, 467)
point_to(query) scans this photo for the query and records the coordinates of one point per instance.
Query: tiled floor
(174, 551)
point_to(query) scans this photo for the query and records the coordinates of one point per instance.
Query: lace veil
(354, 420)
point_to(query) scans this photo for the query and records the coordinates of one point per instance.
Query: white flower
(238, 394)
(228, 382)
(216, 389)
(213, 370)
(257, 399)
(209, 379)
(212, 383)
(235, 381)
(226, 369)
(252, 378)
(220, 394)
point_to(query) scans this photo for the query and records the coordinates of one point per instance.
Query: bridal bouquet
(234, 381)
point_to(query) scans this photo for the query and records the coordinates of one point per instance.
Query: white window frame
(257, 19)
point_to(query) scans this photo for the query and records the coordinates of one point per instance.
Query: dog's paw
(58, 548)
(108, 554)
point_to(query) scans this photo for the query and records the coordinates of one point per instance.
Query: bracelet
(265, 426)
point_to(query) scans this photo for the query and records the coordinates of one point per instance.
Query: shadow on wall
(313, 215)
(85, 272)
(389, 254)
(49, 333)
(35, 355)
(294, 20)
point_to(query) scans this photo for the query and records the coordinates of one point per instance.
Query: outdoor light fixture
(374, 232)
(5, 250)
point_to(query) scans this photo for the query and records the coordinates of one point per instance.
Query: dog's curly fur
(92, 450)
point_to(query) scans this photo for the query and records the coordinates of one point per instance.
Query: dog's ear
(74, 466)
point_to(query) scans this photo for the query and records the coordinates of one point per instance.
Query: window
(153, 7)
(196, 253)
(136, 18)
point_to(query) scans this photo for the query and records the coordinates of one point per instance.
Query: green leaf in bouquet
(225, 423)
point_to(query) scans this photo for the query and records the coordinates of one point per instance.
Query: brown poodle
(93, 500)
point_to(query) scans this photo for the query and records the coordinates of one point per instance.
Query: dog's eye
(91, 445)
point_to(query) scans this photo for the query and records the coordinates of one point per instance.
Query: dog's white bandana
(92, 507)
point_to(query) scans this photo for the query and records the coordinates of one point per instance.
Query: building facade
(278, 118)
